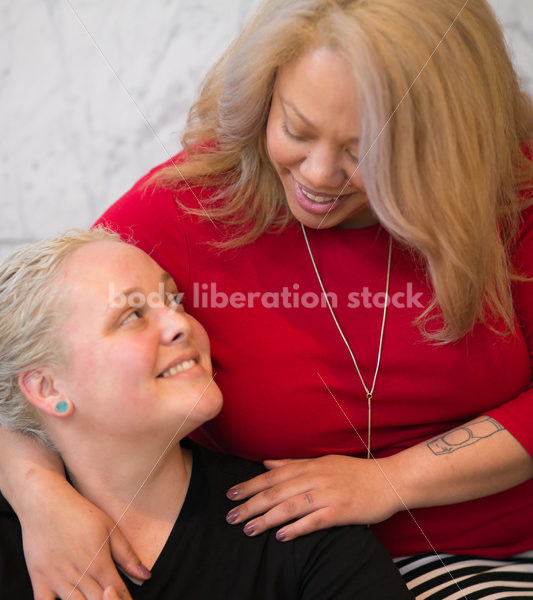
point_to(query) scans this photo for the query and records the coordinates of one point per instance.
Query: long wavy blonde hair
(443, 120)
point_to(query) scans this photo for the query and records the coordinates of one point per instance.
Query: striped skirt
(452, 577)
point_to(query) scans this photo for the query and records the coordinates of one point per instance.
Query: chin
(209, 407)
(217, 407)
(309, 220)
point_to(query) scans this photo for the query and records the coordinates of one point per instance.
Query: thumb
(125, 557)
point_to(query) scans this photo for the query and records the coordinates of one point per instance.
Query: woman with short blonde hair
(92, 327)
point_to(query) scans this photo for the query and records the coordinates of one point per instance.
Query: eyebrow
(305, 120)
(125, 293)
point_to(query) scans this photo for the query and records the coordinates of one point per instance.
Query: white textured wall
(94, 92)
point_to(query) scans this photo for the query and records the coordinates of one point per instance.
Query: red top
(273, 348)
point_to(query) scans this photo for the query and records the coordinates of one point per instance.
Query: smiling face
(138, 364)
(312, 140)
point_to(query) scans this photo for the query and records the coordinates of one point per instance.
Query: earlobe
(63, 407)
(40, 390)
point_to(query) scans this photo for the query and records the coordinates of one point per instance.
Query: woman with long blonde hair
(353, 199)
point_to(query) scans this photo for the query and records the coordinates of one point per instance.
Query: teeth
(319, 199)
(182, 366)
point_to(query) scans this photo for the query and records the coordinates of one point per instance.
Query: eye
(352, 157)
(133, 316)
(291, 135)
(175, 300)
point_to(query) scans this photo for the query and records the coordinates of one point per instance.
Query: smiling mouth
(184, 365)
(319, 198)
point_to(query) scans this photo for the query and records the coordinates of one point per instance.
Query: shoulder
(347, 562)
(152, 217)
(338, 563)
(152, 200)
(145, 203)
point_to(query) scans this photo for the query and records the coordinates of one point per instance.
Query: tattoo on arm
(464, 436)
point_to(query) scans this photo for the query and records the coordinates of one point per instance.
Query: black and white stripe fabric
(452, 577)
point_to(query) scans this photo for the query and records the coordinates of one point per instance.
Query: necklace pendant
(369, 393)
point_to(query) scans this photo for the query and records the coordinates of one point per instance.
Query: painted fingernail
(144, 571)
(232, 516)
(249, 528)
(232, 493)
(281, 535)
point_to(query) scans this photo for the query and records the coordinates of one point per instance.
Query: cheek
(83, 363)
(131, 362)
(105, 367)
(357, 181)
(200, 337)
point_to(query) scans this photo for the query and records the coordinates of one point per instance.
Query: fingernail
(144, 571)
(249, 528)
(281, 535)
(232, 493)
(232, 516)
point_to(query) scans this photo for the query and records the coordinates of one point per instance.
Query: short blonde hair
(30, 311)
(443, 119)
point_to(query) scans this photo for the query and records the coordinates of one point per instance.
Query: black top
(205, 558)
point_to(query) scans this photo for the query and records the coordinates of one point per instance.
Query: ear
(41, 390)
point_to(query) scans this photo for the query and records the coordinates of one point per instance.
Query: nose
(322, 169)
(174, 326)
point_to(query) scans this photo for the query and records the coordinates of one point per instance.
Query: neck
(138, 488)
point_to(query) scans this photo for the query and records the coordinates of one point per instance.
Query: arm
(64, 535)
(476, 460)
(338, 490)
(334, 490)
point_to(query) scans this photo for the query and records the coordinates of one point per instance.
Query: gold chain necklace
(369, 392)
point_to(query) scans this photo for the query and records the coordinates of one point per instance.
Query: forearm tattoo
(464, 436)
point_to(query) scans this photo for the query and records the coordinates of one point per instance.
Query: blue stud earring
(62, 407)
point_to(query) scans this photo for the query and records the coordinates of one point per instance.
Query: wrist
(33, 486)
(400, 480)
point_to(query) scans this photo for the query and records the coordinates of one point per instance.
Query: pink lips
(314, 207)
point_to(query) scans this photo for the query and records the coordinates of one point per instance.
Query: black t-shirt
(205, 558)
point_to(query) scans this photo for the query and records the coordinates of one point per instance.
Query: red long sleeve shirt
(274, 345)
